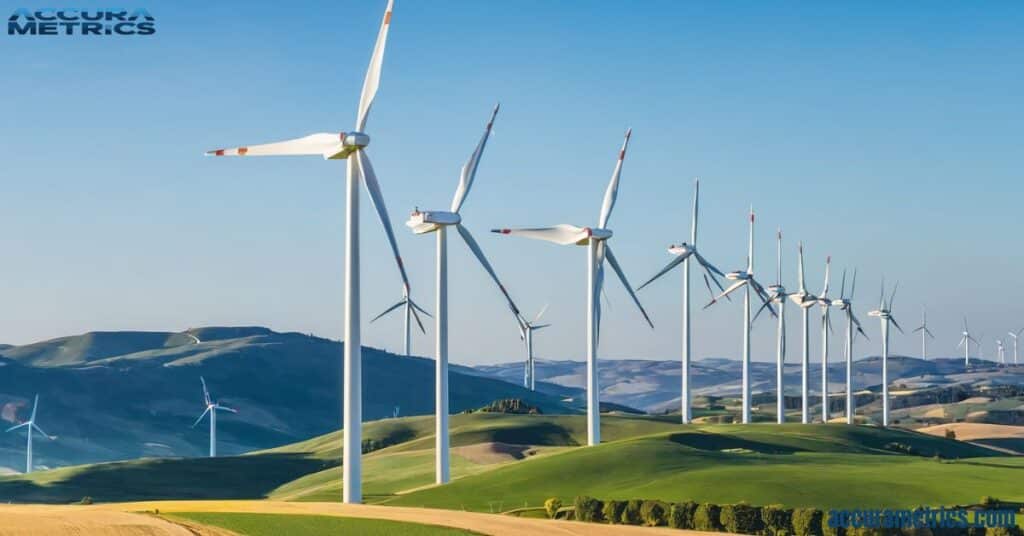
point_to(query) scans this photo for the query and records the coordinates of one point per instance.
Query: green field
(300, 525)
(642, 457)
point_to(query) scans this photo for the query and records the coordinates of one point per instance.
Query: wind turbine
(31, 425)
(805, 300)
(212, 408)
(438, 221)
(925, 333)
(884, 313)
(999, 351)
(410, 309)
(342, 146)
(682, 254)
(845, 304)
(745, 279)
(777, 294)
(826, 327)
(598, 250)
(1015, 336)
(526, 329)
(966, 341)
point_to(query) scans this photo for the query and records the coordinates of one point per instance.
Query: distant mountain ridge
(119, 395)
(654, 385)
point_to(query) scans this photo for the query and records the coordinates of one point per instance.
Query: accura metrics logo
(71, 21)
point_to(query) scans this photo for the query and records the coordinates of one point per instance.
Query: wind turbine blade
(323, 144)
(828, 270)
(369, 178)
(707, 265)
(668, 267)
(598, 288)
(475, 248)
(918, 329)
(778, 266)
(416, 316)
(732, 288)
(469, 168)
(761, 310)
(388, 310)
(893, 320)
(696, 207)
(803, 282)
(562, 234)
(613, 186)
(420, 309)
(842, 286)
(206, 392)
(225, 408)
(625, 283)
(926, 330)
(540, 326)
(35, 406)
(541, 313)
(372, 80)
(961, 343)
(853, 285)
(15, 427)
(893, 295)
(763, 295)
(201, 416)
(40, 430)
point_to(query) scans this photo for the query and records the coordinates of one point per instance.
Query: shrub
(681, 515)
(706, 517)
(587, 508)
(950, 433)
(653, 514)
(741, 518)
(807, 522)
(551, 506)
(631, 513)
(613, 511)
(777, 520)
(989, 502)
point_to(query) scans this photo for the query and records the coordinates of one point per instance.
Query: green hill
(795, 465)
(125, 395)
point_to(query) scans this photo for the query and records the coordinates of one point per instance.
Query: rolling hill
(123, 395)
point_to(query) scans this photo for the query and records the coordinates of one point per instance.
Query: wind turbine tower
(884, 313)
(526, 329)
(925, 334)
(777, 294)
(1015, 335)
(826, 327)
(805, 300)
(845, 304)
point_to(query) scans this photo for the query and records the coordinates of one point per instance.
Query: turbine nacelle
(880, 313)
(682, 250)
(422, 222)
(350, 143)
(841, 303)
(738, 275)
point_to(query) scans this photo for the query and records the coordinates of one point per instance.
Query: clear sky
(885, 134)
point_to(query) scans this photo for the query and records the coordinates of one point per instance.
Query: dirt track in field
(491, 524)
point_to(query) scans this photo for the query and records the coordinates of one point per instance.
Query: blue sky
(886, 135)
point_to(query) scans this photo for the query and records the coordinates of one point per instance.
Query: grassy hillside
(125, 395)
(823, 466)
(276, 524)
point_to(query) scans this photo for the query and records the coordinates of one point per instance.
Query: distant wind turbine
(805, 300)
(966, 341)
(31, 425)
(682, 253)
(195, 340)
(526, 329)
(884, 313)
(598, 250)
(211, 408)
(845, 304)
(777, 295)
(438, 221)
(351, 147)
(925, 334)
(412, 312)
(1015, 336)
(826, 327)
(1000, 352)
(745, 279)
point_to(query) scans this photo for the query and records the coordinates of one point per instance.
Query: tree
(681, 515)
(706, 517)
(807, 522)
(950, 433)
(741, 518)
(587, 508)
(551, 506)
(777, 520)
(653, 513)
(613, 511)
(631, 514)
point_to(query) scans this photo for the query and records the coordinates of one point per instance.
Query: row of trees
(735, 518)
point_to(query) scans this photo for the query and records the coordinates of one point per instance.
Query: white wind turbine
(777, 294)
(598, 250)
(966, 341)
(212, 408)
(826, 327)
(1015, 336)
(682, 254)
(526, 329)
(29, 426)
(925, 334)
(999, 351)
(411, 312)
(438, 221)
(805, 301)
(745, 279)
(884, 313)
(350, 147)
(845, 304)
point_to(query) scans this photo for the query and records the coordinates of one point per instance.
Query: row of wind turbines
(352, 147)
